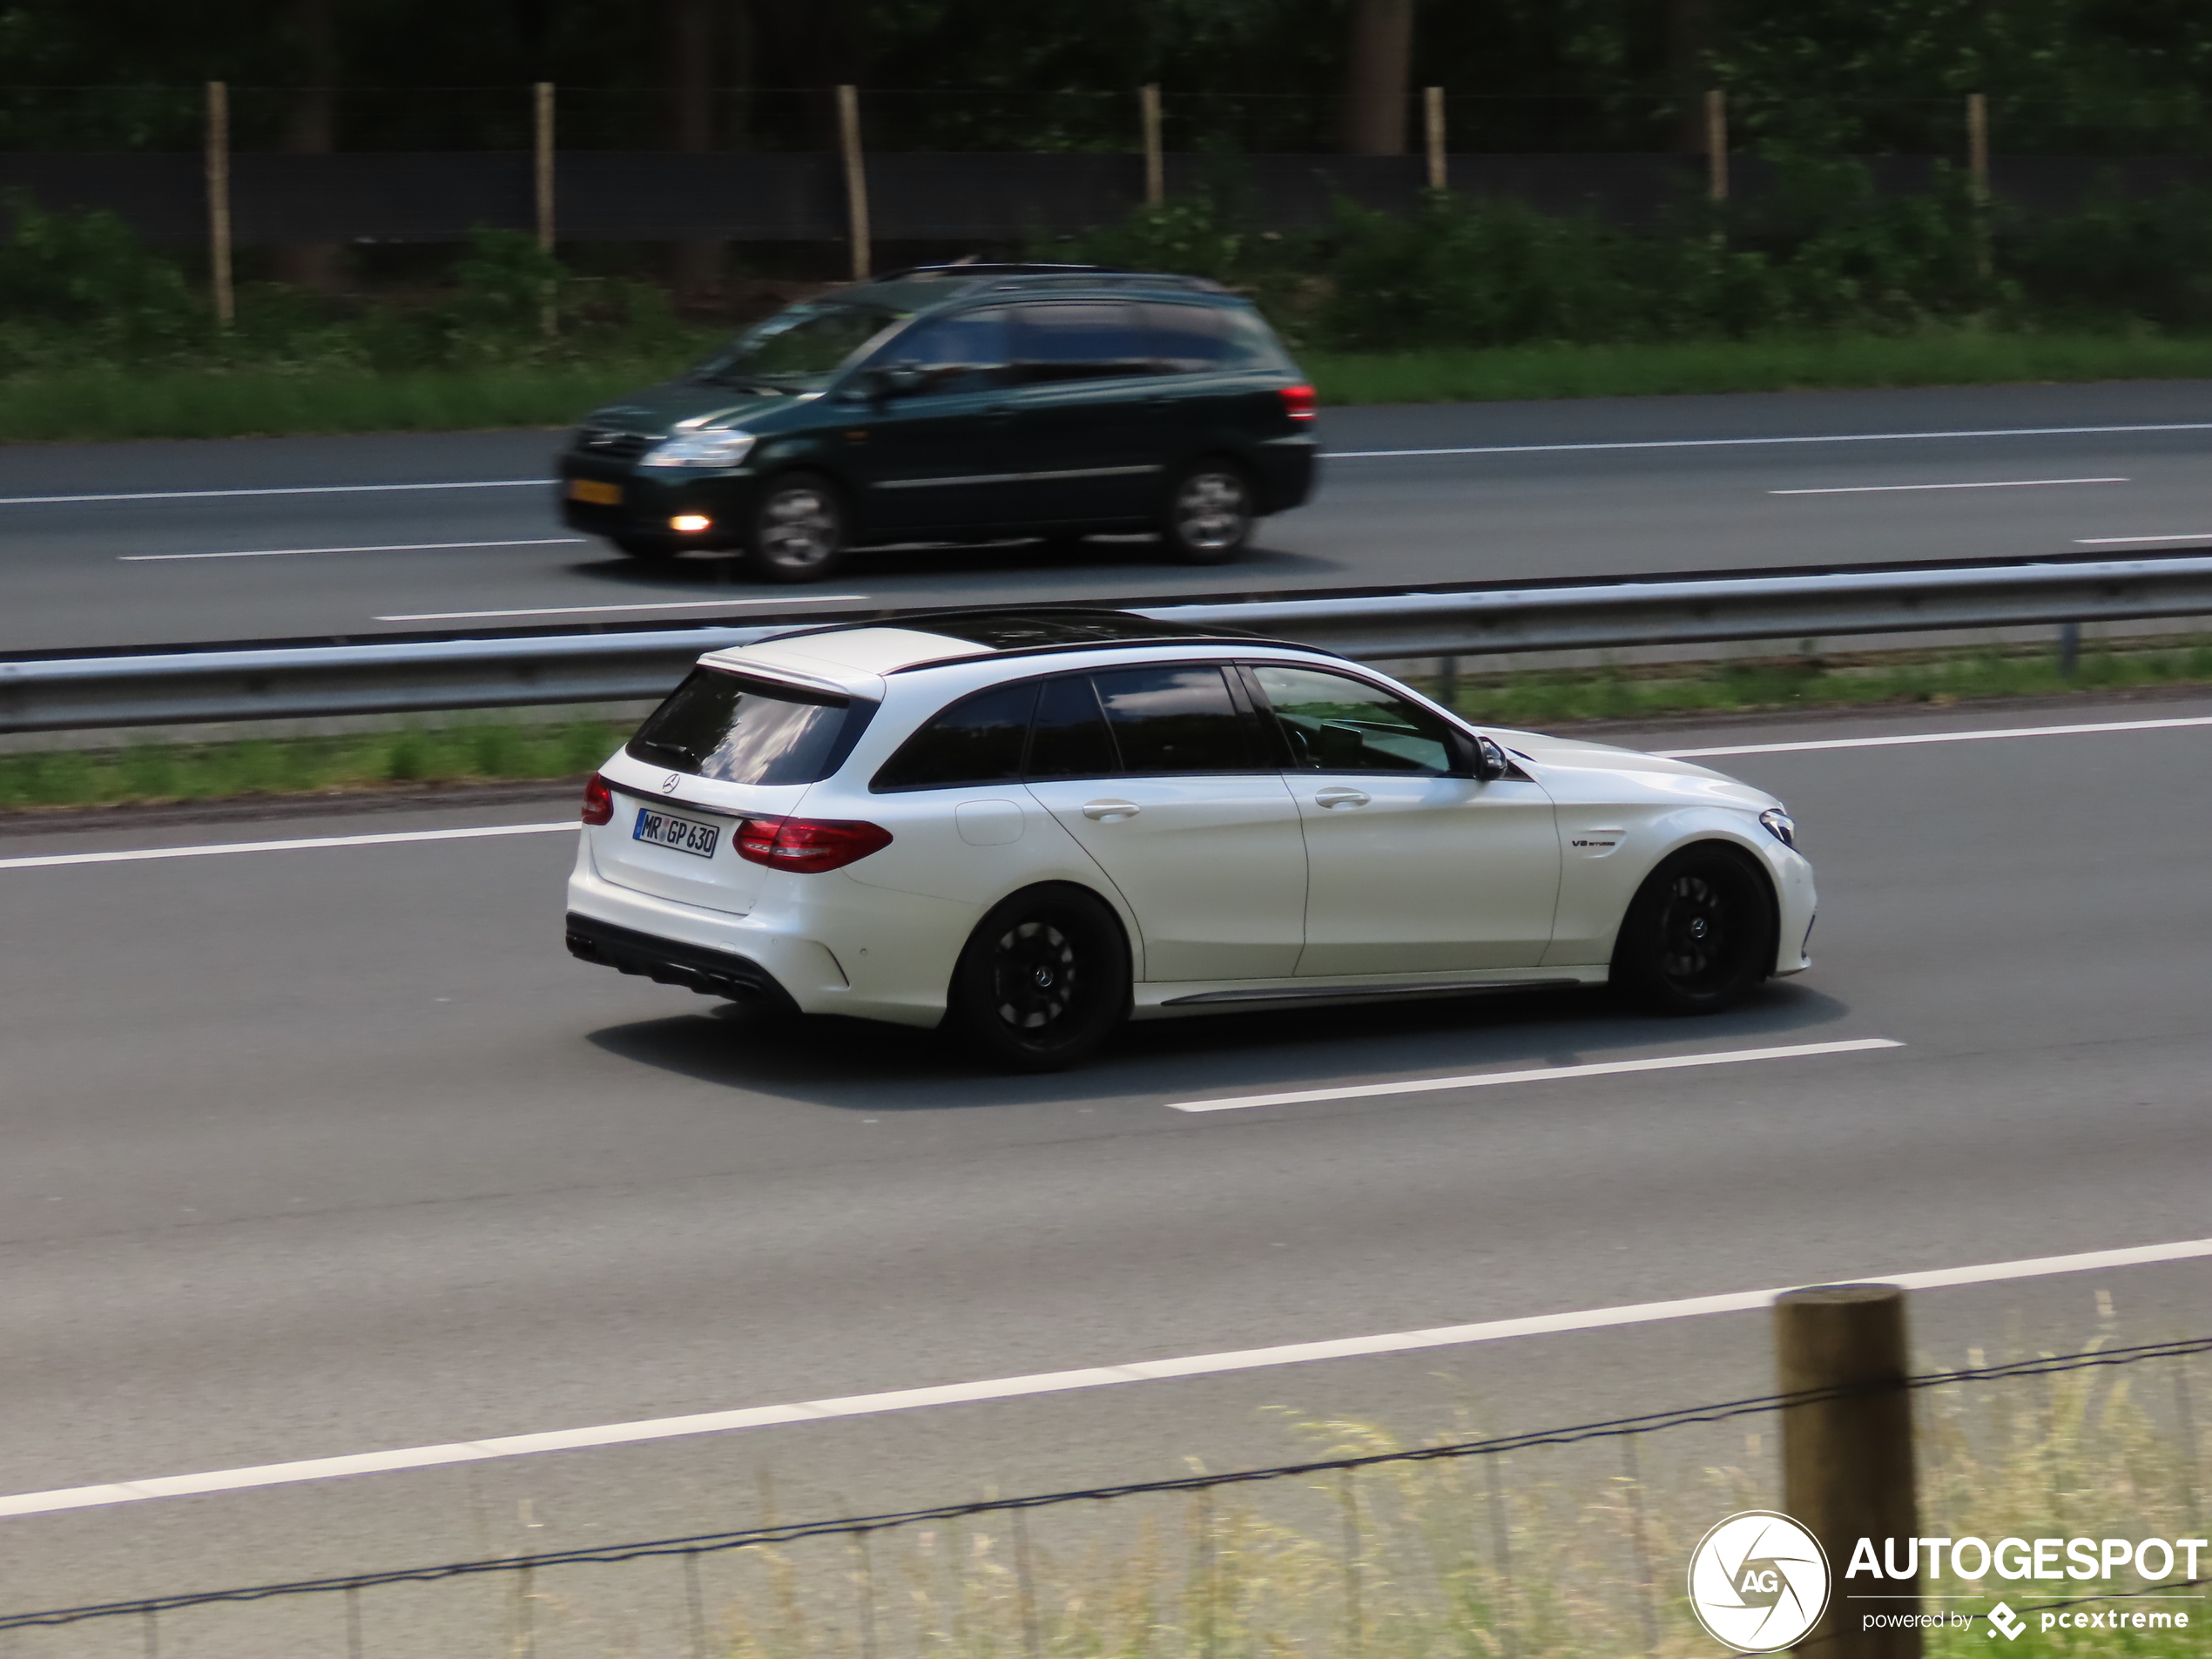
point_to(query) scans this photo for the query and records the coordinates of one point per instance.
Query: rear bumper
(1286, 468)
(668, 962)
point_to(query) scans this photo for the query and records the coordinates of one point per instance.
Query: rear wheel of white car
(1043, 981)
(1699, 933)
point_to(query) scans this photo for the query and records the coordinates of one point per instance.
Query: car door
(1087, 435)
(928, 438)
(1160, 772)
(1410, 869)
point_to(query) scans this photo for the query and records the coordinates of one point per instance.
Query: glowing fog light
(691, 524)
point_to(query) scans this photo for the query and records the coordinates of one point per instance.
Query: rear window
(737, 729)
(1196, 340)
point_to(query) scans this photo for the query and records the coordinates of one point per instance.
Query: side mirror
(1477, 759)
(895, 379)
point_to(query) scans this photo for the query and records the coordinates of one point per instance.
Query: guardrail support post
(1847, 1470)
(2069, 648)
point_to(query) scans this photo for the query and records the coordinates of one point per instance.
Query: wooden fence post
(1433, 128)
(1716, 146)
(1847, 1467)
(549, 316)
(1978, 177)
(1155, 175)
(856, 177)
(218, 202)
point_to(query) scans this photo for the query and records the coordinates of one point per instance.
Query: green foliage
(70, 282)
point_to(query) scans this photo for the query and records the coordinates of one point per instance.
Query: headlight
(1781, 826)
(700, 449)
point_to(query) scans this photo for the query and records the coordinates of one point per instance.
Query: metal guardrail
(245, 683)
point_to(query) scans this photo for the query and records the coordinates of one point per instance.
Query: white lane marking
(2122, 540)
(1537, 1075)
(49, 860)
(1994, 483)
(579, 610)
(281, 489)
(1900, 739)
(1050, 1382)
(386, 547)
(1728, 443)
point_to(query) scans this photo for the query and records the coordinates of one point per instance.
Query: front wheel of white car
(1043, 981)
(1699, 933)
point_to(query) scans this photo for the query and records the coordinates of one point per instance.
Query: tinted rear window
(737, 729)
(1174, 719)
(1192, 340)
(977, 740)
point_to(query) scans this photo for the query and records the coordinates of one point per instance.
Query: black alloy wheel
(1699, 933)
(648, 549)
(798, 532)
(1043, 981)
(1209, 516)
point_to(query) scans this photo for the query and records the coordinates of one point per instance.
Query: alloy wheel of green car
(798, 532)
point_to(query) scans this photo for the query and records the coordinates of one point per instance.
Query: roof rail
(988, 268)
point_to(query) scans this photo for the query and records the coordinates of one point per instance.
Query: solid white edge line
(1999, 483)
(661, 604)
(1537, 1075)
(388, 547)
(1900, 739)
(424, 1457)
(48, 861)
(1725, 444)
(284, 490)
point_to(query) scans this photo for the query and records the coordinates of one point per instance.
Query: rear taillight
(808, 846)
(598, 801)
(1298, 402)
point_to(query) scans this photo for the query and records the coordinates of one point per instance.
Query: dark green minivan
(959, 402)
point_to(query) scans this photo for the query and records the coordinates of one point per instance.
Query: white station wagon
(1028, 826)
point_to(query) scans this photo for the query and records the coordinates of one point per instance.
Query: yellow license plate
(591, 490)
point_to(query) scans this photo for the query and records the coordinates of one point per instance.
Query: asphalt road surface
(145, 543)
(330, 1151)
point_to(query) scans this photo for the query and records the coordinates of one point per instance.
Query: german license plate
(684, 834)
(591, 490)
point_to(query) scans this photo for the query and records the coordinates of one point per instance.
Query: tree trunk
(689, 78)
(1378, 71)
(311, 128)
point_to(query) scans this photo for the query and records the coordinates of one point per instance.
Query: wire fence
(1373, 1547)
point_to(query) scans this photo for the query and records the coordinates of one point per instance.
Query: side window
(966, 353)
(1070, 739)
(1197, 340)
(1174, 720)
(1081, 341)
(977, 740)
(1334, 723)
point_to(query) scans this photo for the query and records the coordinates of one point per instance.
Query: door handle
(1342, 798)
(1106, 811)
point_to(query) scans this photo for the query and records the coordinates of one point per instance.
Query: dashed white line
(1728, 443)
(1537, 1075)
(2123, 541)
(1994, 483)
(1902, 739)
(384, 547)
(1050, 1382)
(579, 611)
(278, 489)
(135, 855)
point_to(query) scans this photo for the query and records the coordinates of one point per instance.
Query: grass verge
(1946, 357)
(105, 404)
(97, 404)
(486, 751)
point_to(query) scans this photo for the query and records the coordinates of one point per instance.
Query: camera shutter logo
(1758, 1581)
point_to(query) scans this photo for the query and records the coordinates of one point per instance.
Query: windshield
(798, 349)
